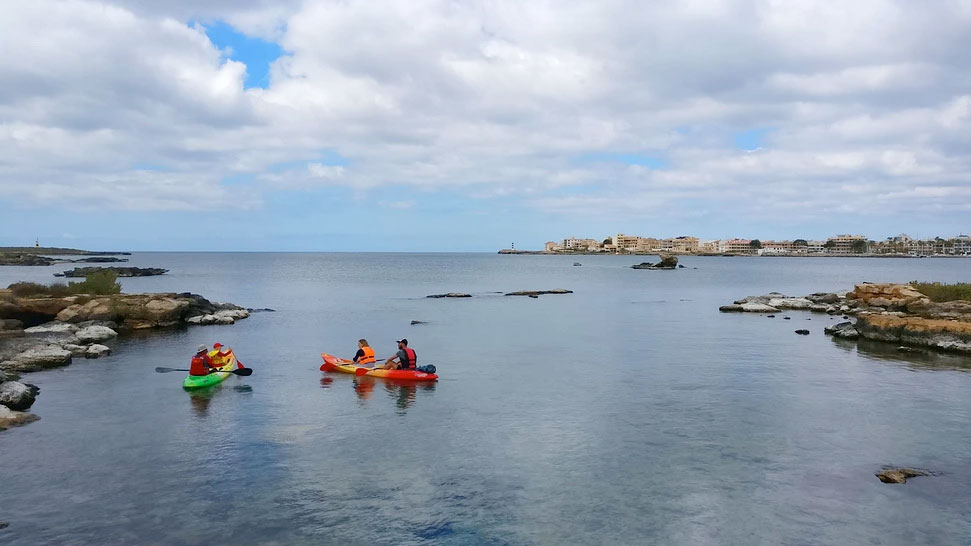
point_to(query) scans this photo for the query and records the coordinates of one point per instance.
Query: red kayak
(334, 364)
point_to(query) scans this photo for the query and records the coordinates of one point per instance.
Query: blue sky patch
(750, 140)
(255, 53)
(621, 157)
(327, 157)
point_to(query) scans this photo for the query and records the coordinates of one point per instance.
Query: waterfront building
(625, 243)
(551, 246)
(962, 245)
(737, 245)
(709, 246)
(777, 247)
(847, 244)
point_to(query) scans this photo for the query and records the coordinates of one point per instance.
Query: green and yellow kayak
(202, 381)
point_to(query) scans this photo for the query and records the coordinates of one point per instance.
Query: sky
(465, 125)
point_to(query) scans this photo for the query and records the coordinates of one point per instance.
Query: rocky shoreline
(895, 313)
(41, 333)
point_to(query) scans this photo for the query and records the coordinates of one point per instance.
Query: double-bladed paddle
(237, 371)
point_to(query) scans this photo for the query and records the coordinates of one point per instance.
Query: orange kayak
(334, 364)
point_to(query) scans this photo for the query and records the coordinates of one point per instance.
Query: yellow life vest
(368, 357)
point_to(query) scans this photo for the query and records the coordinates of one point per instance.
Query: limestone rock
(96, 333)
(758, 308)
(790, 303)
(887, 295)
(844, 330)
(947, 335)
(539, 292)
(900, 475)
(76, 350)
(97, 351)
(11, 324)
(667, 262)
(17, 396)
(53, 327)
(10, 418)
(823, 298)
(39, 358)
(235, 314)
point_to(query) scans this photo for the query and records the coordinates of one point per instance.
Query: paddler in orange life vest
(201, 363)
(365, 354)
(405, 359)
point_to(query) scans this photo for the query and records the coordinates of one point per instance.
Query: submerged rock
(803, 332)
(450, 295)
(416, 322)
(900, 475)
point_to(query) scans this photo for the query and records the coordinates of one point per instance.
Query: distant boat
(576, 264)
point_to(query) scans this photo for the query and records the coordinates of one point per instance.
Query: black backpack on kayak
(428, 368)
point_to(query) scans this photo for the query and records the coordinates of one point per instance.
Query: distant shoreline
(55, 251)
(725, 255)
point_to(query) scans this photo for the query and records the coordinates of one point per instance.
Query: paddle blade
(243, 371)
(361, 371)
(160, 369)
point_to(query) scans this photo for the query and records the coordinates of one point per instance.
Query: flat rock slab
(53, 327)
(97, 351)
(539, 292)
(39, 358)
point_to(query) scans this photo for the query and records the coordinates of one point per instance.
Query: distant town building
(736, 245)
(847, 244)
(625, 243)
(552, 246)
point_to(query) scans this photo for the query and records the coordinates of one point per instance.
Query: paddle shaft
(238, 371)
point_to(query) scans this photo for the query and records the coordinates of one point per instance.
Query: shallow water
(629, 412)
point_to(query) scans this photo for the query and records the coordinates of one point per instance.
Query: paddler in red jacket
(201, 363)
(405, 359)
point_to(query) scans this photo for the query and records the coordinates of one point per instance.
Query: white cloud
(490, 100)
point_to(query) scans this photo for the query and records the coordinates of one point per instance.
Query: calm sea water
(629, 412)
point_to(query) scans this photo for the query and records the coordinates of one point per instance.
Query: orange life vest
(368, 357)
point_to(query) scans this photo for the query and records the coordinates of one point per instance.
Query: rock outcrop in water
(537, 293)
(17, 258)
(667, 262)
(450, 295)
(900, 475)
(895, 313)
(120, 271)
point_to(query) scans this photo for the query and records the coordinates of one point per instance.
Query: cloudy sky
(469, 125)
